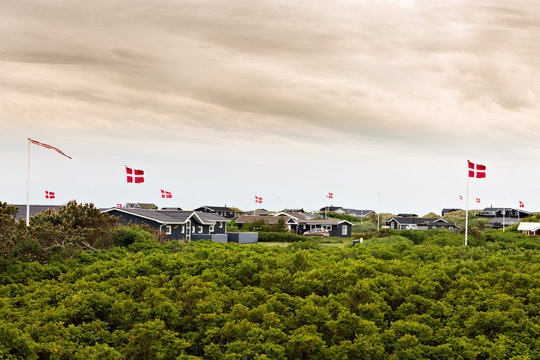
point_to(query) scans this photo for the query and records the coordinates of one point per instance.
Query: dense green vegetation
(400, 295)
(280, 237)
(390, 299)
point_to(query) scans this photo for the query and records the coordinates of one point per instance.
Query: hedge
(279, 237)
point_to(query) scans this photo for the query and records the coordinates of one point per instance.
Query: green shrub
(131, 234)
(390, 240)
(363, 235)
(279, 237)
(342, 217)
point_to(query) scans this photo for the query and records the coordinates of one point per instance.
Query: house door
(188, 230)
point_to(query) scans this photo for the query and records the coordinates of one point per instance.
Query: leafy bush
(279, 237)
(346, 217)
(53, 235)
(390, 240)
(363, 235)
(136, 237)
(389, 299)
(12, 232)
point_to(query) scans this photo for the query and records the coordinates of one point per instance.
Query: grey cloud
(349, 69)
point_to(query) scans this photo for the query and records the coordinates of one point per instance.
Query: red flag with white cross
(134, 175)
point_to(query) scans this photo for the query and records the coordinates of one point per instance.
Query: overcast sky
(218, 101)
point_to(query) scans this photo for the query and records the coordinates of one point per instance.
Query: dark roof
(441, 224)
(257, 211)
(323, 221)
(209, 217)
(170, 216)
(446, 211)
(161, 216)
(494, 209)
(505, 209)
(215, 208)
(296, 215)
(405, 215)
(423, 221)
(293, 210)
(330, 208)
(358, 212)
(34, 210)
(414, 220)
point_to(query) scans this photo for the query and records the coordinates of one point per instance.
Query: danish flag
(330, 195)
(258, 199)
(119, 206)
(166, 194)
(477, 170)
(134, 173)
(478, 200)
(49, 195)
(460, 197)
(521, 205)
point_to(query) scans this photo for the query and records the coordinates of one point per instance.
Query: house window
(327, 227)
(193, 229)
(344, 230)
(211, 228)
(183, 229)
(200, 229)
(168, 230)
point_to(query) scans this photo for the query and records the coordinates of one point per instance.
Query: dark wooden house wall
(337, 230)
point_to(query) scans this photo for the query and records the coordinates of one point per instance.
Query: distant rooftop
(34, 210)
(405, 215)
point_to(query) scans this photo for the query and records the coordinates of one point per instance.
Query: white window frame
(344, 230)
(211, 228)
(183, 229)
(168, 229)
(200, 229)
(327, 227)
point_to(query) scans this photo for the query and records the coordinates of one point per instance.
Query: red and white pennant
(166, 194)
(48, 147)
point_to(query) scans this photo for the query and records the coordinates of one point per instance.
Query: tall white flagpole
(504, 212)
(378, 210)
(467, 208)
(28, 188)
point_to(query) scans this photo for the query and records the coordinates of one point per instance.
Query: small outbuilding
(529, 228)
